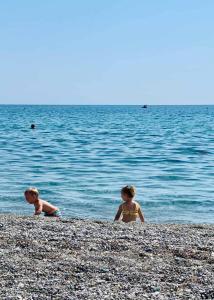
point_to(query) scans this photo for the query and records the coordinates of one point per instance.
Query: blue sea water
(79, 157)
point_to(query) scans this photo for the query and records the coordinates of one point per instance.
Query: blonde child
(32, 197)
(130, 210)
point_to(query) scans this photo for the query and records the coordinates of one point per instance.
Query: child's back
(130, 213)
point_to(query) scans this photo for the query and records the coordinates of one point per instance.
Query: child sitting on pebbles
(130, 209)
(32, 197)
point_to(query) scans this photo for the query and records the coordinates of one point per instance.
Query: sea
(79, 157)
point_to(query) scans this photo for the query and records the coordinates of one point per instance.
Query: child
(32, 197)
(130, 209)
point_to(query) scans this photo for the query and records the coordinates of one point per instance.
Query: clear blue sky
(107, 51)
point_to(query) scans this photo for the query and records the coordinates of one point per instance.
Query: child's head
(31, 195)
(128, 192)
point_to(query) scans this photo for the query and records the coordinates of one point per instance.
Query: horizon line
(52, 104)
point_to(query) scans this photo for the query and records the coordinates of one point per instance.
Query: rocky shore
(43, 258)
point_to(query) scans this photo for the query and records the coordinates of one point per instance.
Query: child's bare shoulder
(44, 202)
(136, 203)
(48, 205)
(41, 202)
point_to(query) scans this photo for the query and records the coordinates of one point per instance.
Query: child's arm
(141, 215)
(118, 214)
(38, 208)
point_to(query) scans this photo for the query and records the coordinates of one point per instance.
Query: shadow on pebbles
(80, 259)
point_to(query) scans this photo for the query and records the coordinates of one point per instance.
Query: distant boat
(144, 106)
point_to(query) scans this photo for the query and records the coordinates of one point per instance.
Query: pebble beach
(43, 258)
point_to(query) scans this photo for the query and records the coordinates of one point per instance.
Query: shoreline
(44, 258)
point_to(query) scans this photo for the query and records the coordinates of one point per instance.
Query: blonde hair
(129, 190)
(32, 191)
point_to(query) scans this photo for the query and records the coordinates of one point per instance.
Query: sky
(106, 52)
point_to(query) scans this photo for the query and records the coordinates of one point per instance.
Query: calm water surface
(80, 156)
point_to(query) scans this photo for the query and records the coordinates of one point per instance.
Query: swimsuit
(56, 213)
(132, 213)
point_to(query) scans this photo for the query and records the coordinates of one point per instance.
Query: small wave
(193, 151)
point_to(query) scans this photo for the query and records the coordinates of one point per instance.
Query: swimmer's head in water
(31, 195)
(128, 192)
(33, 126)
